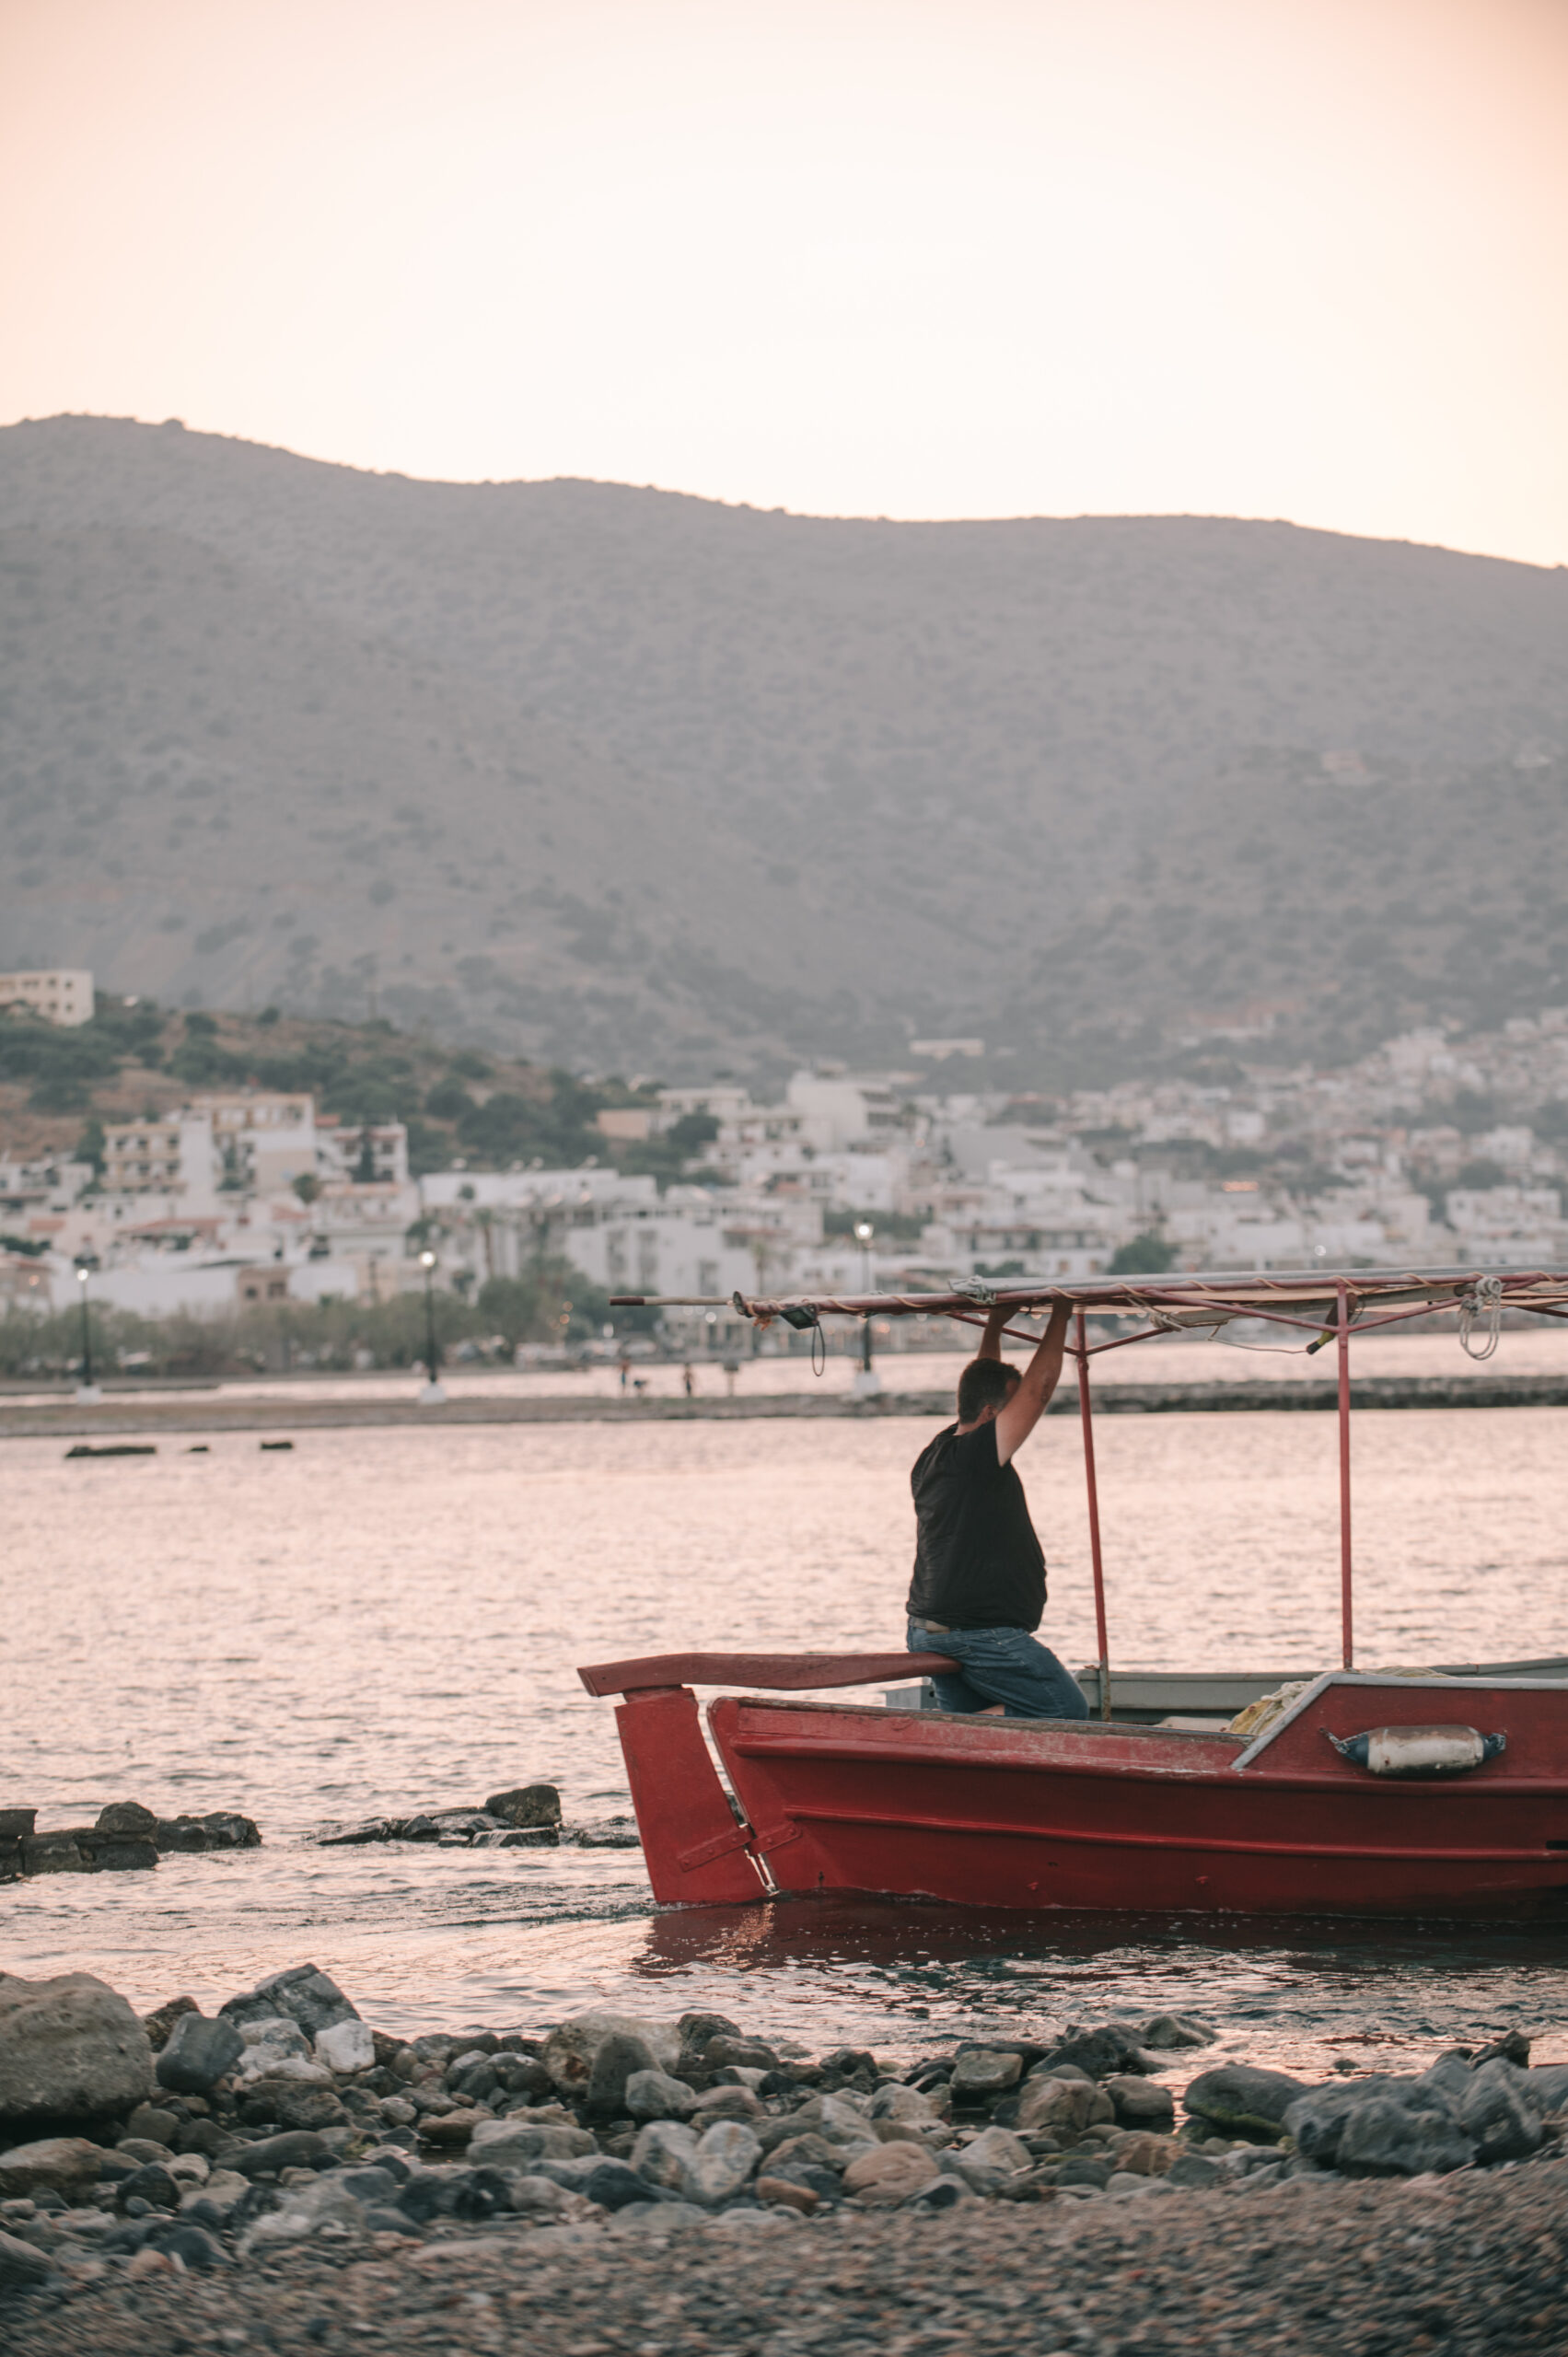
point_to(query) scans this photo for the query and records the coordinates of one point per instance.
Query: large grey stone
(654, 2095)
(886, 2175)
(1385, 2137)
(62, 2163)
(982, 2072)
(1316, 2119)
(1141, 2103)
(1062, 2106)
(612, 2186)
(1115, 2046)
(525, 1804)
(305, 1993)
(571, 2049)
(1241, 2099)
(126, 1817)
(292, 2103)
(905, 2103)
(70, 2048)
(726, 2156)
(20, 2264)
(346, 2047)
(295, 2149)
(987, 2162)
(1548, 2087)
(198, 2054)
(1496, 2110)
(613, 2065)
(663, 2152)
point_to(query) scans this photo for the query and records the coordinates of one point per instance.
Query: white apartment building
(836, 1111)
(176, 1156)
(262, 1142)
(62, 994)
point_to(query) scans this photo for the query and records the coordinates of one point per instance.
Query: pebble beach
(280, 2174)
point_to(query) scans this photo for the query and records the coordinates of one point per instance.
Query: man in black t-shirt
(979, 1587)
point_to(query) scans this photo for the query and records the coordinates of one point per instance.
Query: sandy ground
(1456, 2264)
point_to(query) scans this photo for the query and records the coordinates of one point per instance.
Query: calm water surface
(386, 1620)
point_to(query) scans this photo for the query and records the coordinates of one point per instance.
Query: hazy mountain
(615, 777)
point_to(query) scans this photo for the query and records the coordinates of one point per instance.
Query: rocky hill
(621, 779)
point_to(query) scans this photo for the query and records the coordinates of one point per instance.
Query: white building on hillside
(175, 1156)
(261, 1140)
(62, 994)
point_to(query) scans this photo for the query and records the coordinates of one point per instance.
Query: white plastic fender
(1420, 1751)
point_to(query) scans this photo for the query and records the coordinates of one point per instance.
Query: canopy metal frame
(1327, 1306)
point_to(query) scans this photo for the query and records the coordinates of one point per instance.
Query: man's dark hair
(984, 1383)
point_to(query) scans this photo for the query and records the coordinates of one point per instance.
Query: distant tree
(1480, 1174)
(1148, 1255)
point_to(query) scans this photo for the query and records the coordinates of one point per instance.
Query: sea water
(386, 1620)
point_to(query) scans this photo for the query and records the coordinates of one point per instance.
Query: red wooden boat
(1443, 1794)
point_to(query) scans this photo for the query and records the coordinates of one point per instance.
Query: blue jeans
(1004, 1665)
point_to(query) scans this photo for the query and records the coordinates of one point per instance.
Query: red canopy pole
(1344, 1478)
(1086, 1418)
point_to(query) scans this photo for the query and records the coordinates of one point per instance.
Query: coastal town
(1436, 1149)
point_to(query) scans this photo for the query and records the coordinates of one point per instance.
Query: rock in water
(70, 2048)
(1166, 2030)
(525, 1804)
(198, 2054)
(1240, 2100)
(129, 1817)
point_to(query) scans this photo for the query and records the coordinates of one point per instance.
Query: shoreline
(140, 1416)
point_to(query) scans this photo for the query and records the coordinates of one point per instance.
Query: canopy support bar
(1346, 1594)
(1081, 1354)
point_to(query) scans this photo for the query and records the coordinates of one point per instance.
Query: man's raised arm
(1017, 1420)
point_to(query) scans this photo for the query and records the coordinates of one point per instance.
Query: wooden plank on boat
(785, 1672)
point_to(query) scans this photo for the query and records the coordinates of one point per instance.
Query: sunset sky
(1280, 258)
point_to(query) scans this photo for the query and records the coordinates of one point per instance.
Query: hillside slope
(619, 777)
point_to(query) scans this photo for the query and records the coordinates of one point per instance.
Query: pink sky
(1298, 257)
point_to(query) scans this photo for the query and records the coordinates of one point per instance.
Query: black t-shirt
(977, 1561)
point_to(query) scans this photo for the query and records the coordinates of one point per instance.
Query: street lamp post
(433, 1393)
(866, 1381)
(87, 1392)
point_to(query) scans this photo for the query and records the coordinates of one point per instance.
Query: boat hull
(1034, 1816)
